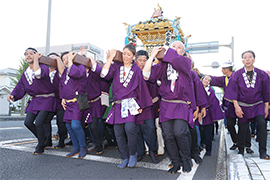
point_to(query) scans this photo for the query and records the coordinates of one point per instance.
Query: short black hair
(131, 47)
(249, 51)
(64, 53)
(32, 49)
(230, 68)
(53, 53)
(142, 53)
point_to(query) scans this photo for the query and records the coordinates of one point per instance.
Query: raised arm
(110, 55)
(105, 69)
(149, 62)
(36, 63)
(60, 65)
(178, 62)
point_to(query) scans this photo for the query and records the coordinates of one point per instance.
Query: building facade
(92, 51)
(5, 89)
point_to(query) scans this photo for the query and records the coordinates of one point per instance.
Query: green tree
(23, 65)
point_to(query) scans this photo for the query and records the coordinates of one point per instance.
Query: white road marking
(193, 171)
(2, 143)
(14, 128)
(163, 165)
(11, 128)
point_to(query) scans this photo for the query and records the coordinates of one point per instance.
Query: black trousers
(193, 141)
(38, 128)
(208, 136)
(231, 122)
(96, 133)
(62, 129)
(126, 137)
(48, 125)
(261, 134)
(175, 133)
(147, 132)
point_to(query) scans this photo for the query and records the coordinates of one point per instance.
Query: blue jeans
(76, 133)
(198, 135)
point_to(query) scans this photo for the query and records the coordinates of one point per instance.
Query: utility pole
(232, 47)
(47, 50)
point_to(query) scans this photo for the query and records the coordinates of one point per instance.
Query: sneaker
(234, 147)
(203, 146)
(73, 153)
(249, 151)
(39, 150)
(82, 152)
(153, 156)
(208, 153)
(100, 150)
(264, 156)
(197, 158)
(140, 157)
(59, 146)
(186, 166)
(123, 164)
(174, 169)
(170, 165)
(48, 143)
(241, 151)
(92, 148)
(132, 161)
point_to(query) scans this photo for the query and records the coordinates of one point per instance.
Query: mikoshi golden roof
(152, 32)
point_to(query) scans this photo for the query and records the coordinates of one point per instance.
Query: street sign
(215, 65)
(204, 47)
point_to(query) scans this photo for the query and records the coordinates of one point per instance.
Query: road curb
(236, 164)
(15, 118)
(222, 155)
(12, 118)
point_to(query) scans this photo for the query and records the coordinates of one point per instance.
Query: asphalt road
(17, 161)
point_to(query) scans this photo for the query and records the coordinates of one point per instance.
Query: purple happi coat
(199, 92)
(55, 80)
(200, 96)
(93, 89)
(36, 87)
(227, 106)
(135, 88)
(183, 90)
(214, 112)
(154, 92)
(268, 117)
(152, 111)
(254, 93)
(72, 81)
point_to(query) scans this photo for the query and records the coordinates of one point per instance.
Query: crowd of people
(143, 103)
